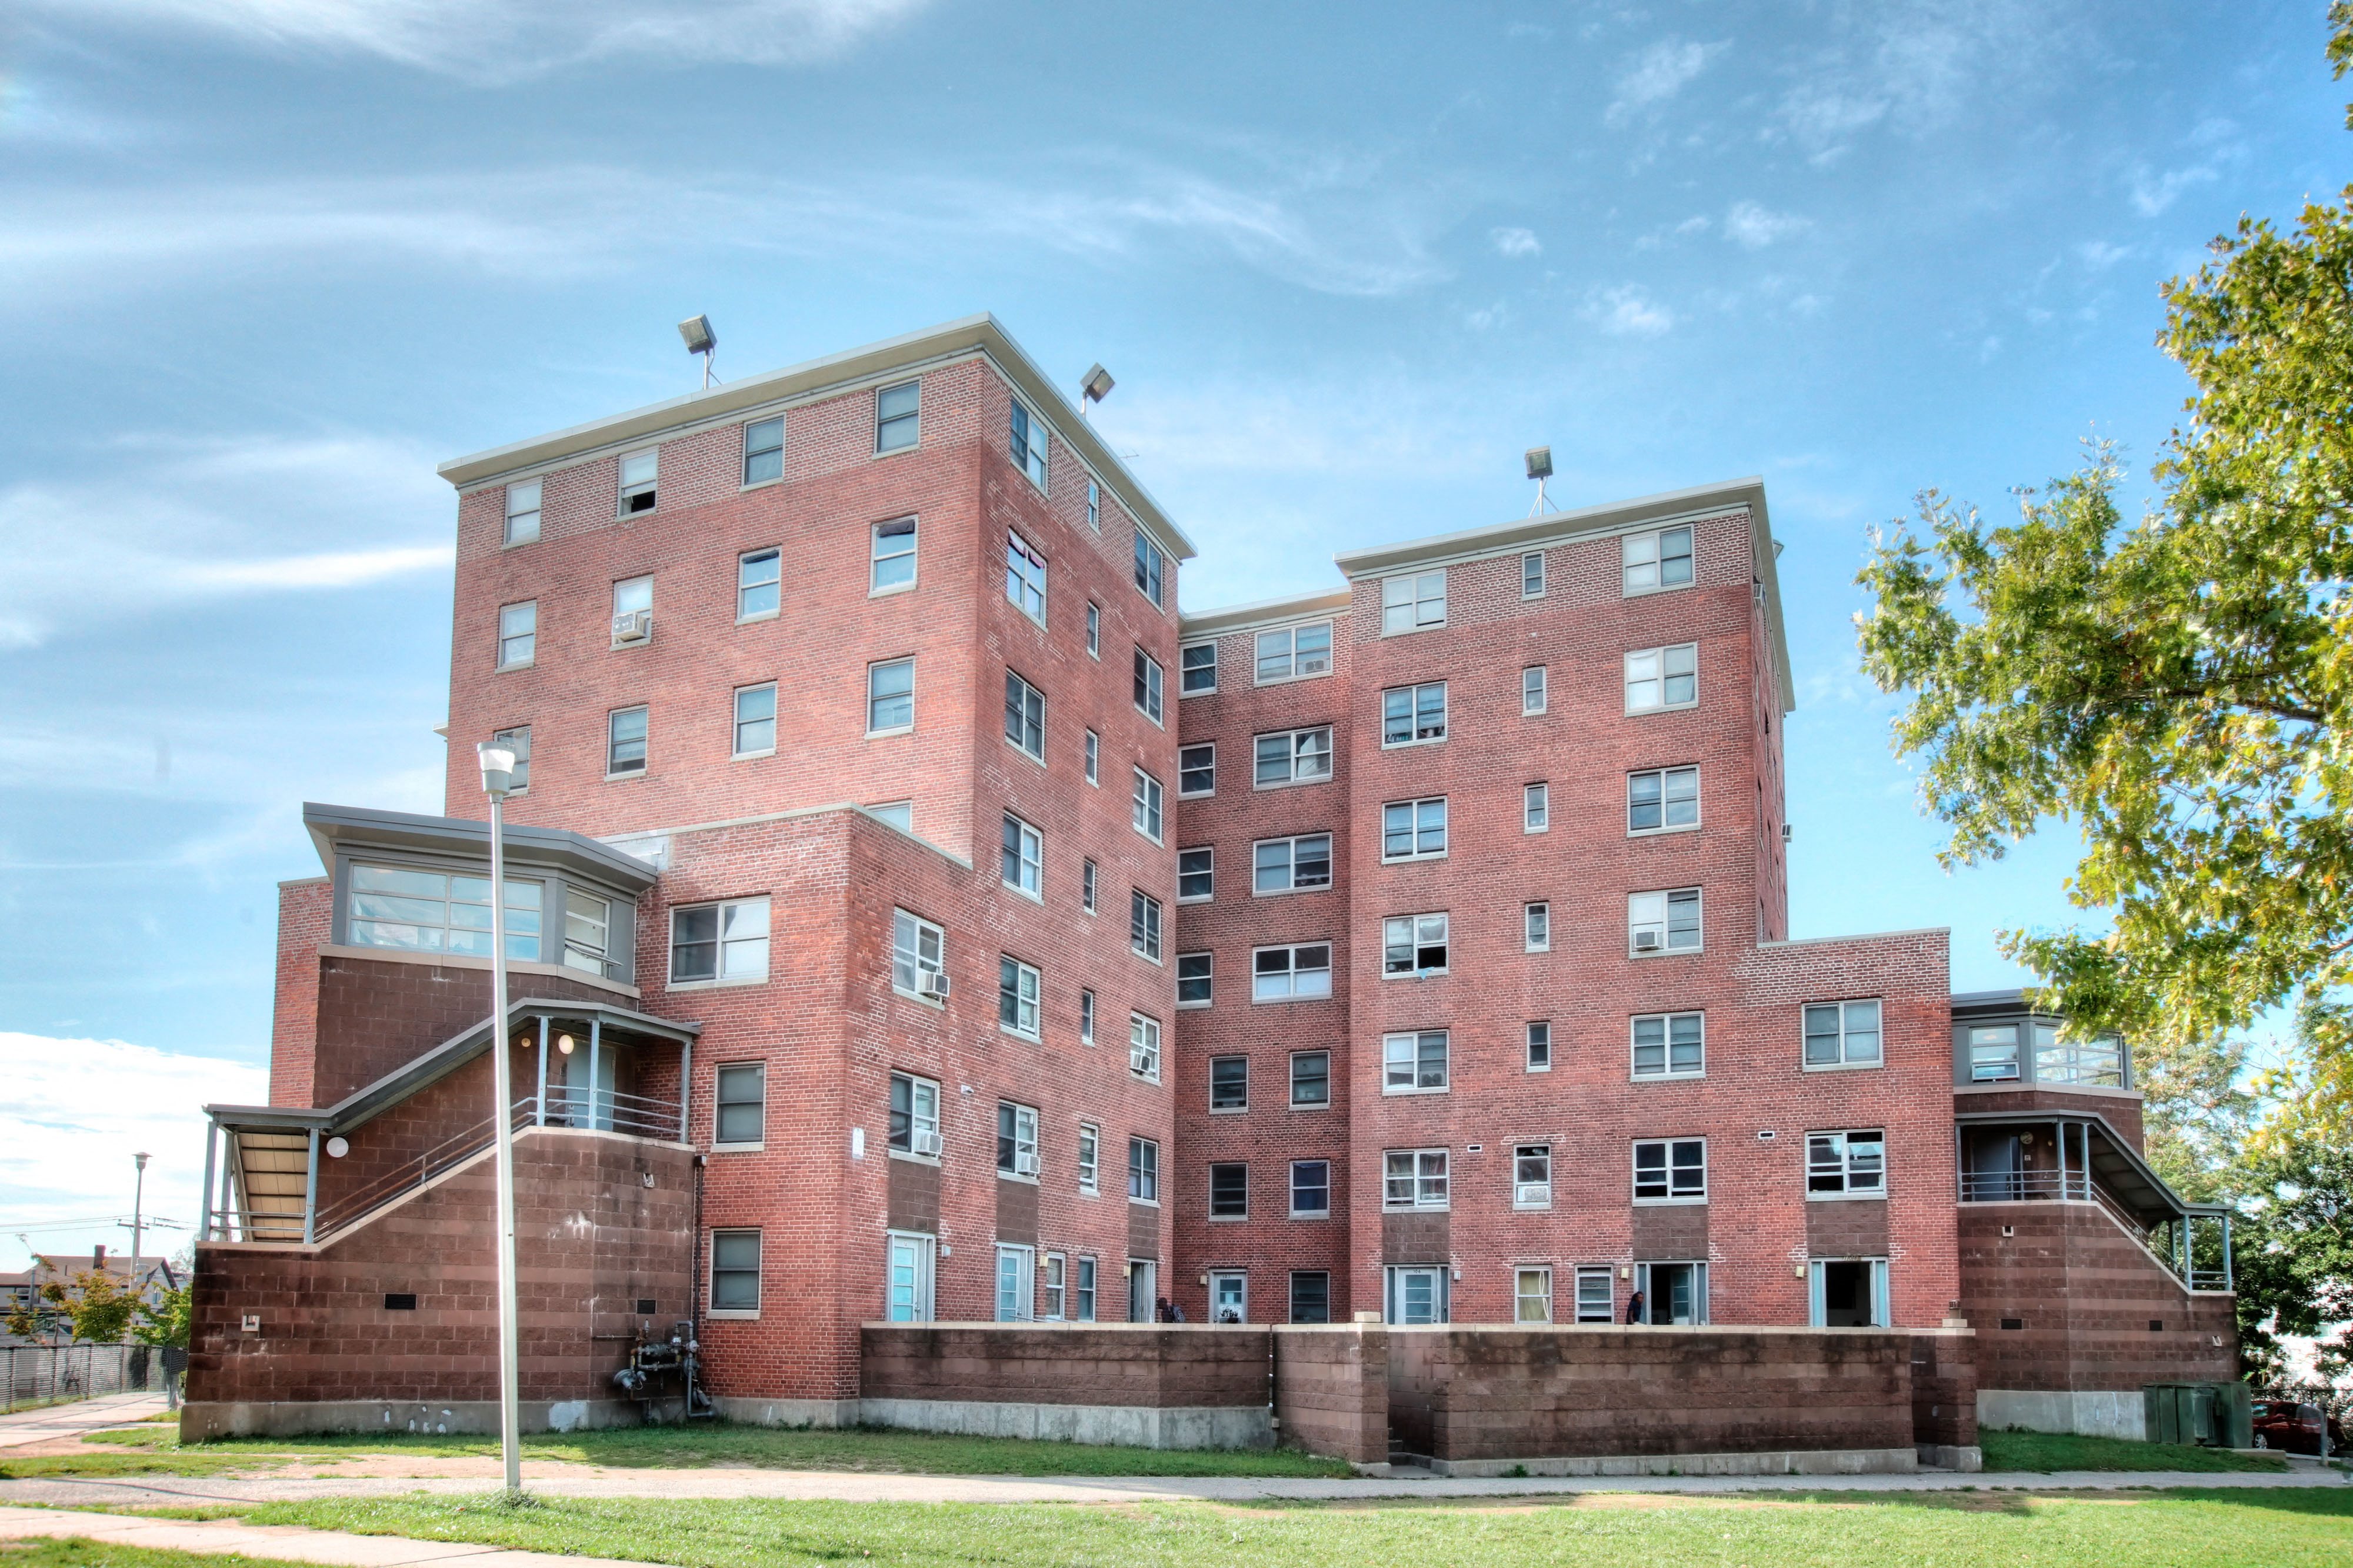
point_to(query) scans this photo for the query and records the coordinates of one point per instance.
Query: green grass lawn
(77, 1553)
(2273, 1529)
(157, 1450)
(2049, 1451)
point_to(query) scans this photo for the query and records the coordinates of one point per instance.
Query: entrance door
(1673, 1292)
(907, 1288)
(1417, 1295)
(1229, 1298)
(1848, 1293)
(1016, 1278)
(1143, 1273)
(1996, 1168)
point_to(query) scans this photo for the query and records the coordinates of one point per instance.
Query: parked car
(2293, 1428)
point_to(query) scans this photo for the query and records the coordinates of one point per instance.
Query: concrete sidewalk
(811, 1486)
(282, 1542)
(52, 1421)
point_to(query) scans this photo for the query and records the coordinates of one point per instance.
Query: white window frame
(1413, 715)
(915, 415)
(922, 1129)
(1090, 875)
(1536, 691)
(1055, 1291)
(911, 529)
(1666, 1042)
(648, 486)
(1521, 1275)
(1831, 1155)
(1030, 444)
(773, 556)
(1531, 574)
(508, 636)
(1095, 506)
(1082, 1289)
(1293, 972)
(1299, 747)
(1197, 970)
(1428, 1176)
(1290, 656)
(1531, 1191)
(1188, 667)
(1640, 917)
(1290, 1090)
(751, 451)
(1143, 1047)
(1024, 856)
(1642, 558)
(908, 931)
(1417, 829)
(632, 595)
(1239, 1106)
(617, 766)
(758, 1268)
(1151, 569)
(1148, 690)
(1094, 631)
(874, 669)
(1669, 1169)
(1022, 559)
(1589, 1310)
(1664, 777)
(1148, 929)
(741, 750)
(1200, 748)
(1845, 1061)
(518, 741)
(513, 511)
(721, 1104)
(1094, 759)
(1148, 808)
(1292, 1196)
(1027, 1162)
(727, 944)
(1021, 699)
(1090, 1158)
(1535, 926)
(1535, 807)
(1404, 1067)
(1213, 1216)
(1406, 600)
(1206, 866)
(1653, 666)
(1086, 1016)
(1290, 844)
(899, 813)
(1536, 1040)
(1027, 995)
(1143, 1170)
(1414, 937)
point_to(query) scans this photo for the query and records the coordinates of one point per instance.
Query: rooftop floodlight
(1095, 387)
(1540, 470)
(498, 770)
(701, 340)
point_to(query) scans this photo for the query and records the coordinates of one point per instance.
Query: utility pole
(498, 777)
(138, 1193)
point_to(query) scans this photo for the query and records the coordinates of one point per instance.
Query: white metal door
(1017, 1282)
(908, 1287)
(1229, 1298)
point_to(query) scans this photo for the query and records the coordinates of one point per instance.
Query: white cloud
(1657, 74)
(2098, 254)
(2153, 192)
(1627, 311)
(1753, 226)
(497, 40)
(1515, 242)
(76, 1112)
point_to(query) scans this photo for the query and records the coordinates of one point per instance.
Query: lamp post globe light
(498, 778)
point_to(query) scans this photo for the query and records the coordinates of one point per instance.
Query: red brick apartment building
(915, 919)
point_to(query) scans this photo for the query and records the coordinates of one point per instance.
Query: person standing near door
(1634, 1308)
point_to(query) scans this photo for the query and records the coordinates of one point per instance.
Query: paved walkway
(53, 1421)
(282, 1542)
(807, 1486)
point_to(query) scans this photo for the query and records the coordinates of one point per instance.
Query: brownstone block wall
(1945, 1388)
(1331, 1390)
(1151, 1365)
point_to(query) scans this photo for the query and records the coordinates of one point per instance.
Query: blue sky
(263, 262)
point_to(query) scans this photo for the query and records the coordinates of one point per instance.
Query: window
(1311, 1189)
(1230, 1191)
(1150, 568)
(736, 1273)
(1531, 574)
(915, 1115)
(1024, 716)
(1660, 677)
(517, 634)
(1017, 997)
(1661, 799)
(1671, 1171)
(1536, 922)
(764, 450)
(1087, 885)
(1095, 506)
(1532, 1176)
(1143, 1047)
(1849, 1164)
(1147, 685)
(1025, 578)
(1532, 689)
(633, 610)
(1094, 759)
(639, 471)
(587, 930)
(1082, 1305)
(1536, 808)
(1094, 630)
(899, 813)
(1540, 1048)
(1086, 1018)
(523, 513)
(1143, 1171)
(898, 417)
(1196, 770)
(1413, 715)
(1671, 1045)
(518, 741)
(720, 941)
(1196, 876)
(1311, 1297)
(1016, 1140)
(1057, 1276)
(1229, 1083)
(624, 742)
(1016, 1274)
(1194, 979)
(1531, 1295)
(1414, 1062)
(891, 697)
(1413, 604)
(1596, 1296)
(894, 555)
(436, 912)
(1294, 653)
(1030, 445)
(1147, 803)
(1842, 1034)
(1296, 865)
(742, 1098)
(756, 720)
(1661, 560)
(759, 575)
(1994, 1053)
(1413, 829)
(1663, 922)
(1293, 756)
(1292, 973)
(2098, 1060)
(1413, 1179)
(1197, 669)
(1090, 1156)
(1311, 1079)
(1413, 944)
(918, 957)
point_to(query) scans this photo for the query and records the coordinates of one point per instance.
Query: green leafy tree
(93, 1305)
(167, 1321)
(2180, 688)
(2293, 1248)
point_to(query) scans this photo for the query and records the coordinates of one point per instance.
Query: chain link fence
(54, 1375)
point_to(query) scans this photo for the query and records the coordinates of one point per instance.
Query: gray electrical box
(2209, 1415)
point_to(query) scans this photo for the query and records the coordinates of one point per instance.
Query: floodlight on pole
(498, 779)
(1094, 388)
(1539, 461)
(701, 340)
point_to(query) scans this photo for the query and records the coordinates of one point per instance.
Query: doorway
(1673, 1292)
(1230, 1297)
(1143, 1273)
(907, 1291)
(1848, 1293)
(1417, 1295)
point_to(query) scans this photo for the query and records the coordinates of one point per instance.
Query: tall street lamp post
(498, 778)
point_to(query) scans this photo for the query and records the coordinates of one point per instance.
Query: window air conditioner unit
(932, 982)
(1025, 1165)
(1645, 941)
(633, 626)
(1532, 1193)
(926, 1140)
